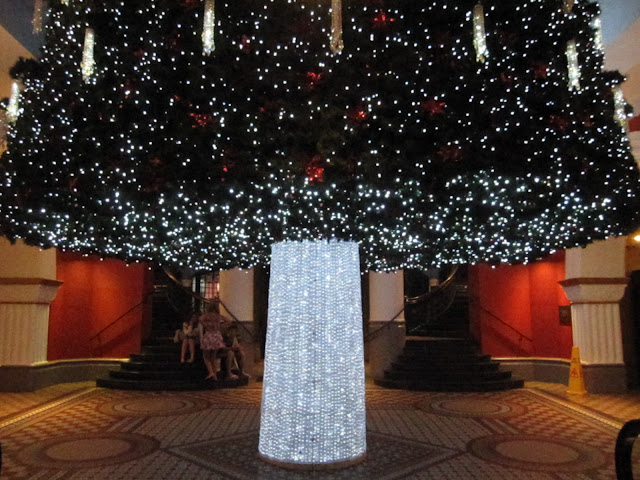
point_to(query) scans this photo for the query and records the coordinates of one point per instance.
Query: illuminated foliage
(406, 140)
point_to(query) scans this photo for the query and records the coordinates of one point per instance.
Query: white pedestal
(595, 285)
(27, 287)
(386, 303)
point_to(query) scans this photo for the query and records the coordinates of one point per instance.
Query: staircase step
(196, 373)
(172, 366)
(449, 377)
(445, 358)
(156, 357)
(128, 384)
(425, 368)
(166, 348)
(427, 386)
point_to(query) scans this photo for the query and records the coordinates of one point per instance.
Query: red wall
(514, 309)
(94, 293)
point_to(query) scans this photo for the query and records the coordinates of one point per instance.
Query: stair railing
(97, 337)
(207, 301)
(436, 291)
(371, 335)
(436, 302)
(511, 328)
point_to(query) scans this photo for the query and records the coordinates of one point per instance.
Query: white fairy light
(13, 109)
(208, 29)
(313, 407)
(479, 34)
(573, 65)
(337, 44)
(88, 62)
(620, 104)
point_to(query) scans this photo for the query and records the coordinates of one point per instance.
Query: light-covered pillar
(313, 396)
(236, 302)
(27, 287)
(595, 283)
(386, 320)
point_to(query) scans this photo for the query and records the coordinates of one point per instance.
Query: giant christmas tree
(439, 133)
(194, 133)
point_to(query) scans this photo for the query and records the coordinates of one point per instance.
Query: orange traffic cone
(576, 379)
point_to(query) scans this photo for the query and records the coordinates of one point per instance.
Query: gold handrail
(432, 293)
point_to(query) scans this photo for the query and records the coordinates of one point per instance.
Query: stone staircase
(446, 365)
(158, 367)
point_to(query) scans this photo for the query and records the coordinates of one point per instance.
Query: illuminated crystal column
(313, 406)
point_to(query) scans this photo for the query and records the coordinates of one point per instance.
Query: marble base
(597, 378)
(28, 378)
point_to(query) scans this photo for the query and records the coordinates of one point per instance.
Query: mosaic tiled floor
(92, 433)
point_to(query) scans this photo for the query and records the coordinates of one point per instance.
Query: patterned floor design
(83, 432)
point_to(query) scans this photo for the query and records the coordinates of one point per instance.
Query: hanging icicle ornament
(88, 63)
(37, 16)
(573, 65)
(208, 29)
(13, 109)
(596, 24)
(337, 44)
(479, 34)
(568, 5)
(620, 104)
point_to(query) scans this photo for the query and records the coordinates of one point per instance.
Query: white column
(386, 337)
(236, 293)
(236, 302)
(595, 285)
(27, 287)
(313, 397)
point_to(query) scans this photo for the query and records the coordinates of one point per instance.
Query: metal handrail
(500, 320)
(371, 335)
(98, 335)
(436, 291)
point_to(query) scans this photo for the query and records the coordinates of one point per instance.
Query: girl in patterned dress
(211, 341)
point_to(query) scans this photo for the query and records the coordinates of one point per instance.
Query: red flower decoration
(382, 20)
(433, 107)
(559, 123)
(245, 44)
(587, 120)
(314, 79)
(450, 153)
(540, 70)
(357, 115)
(507, 79)
(315, 169)
(156, 162)
(201, 120)
(190, 4)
